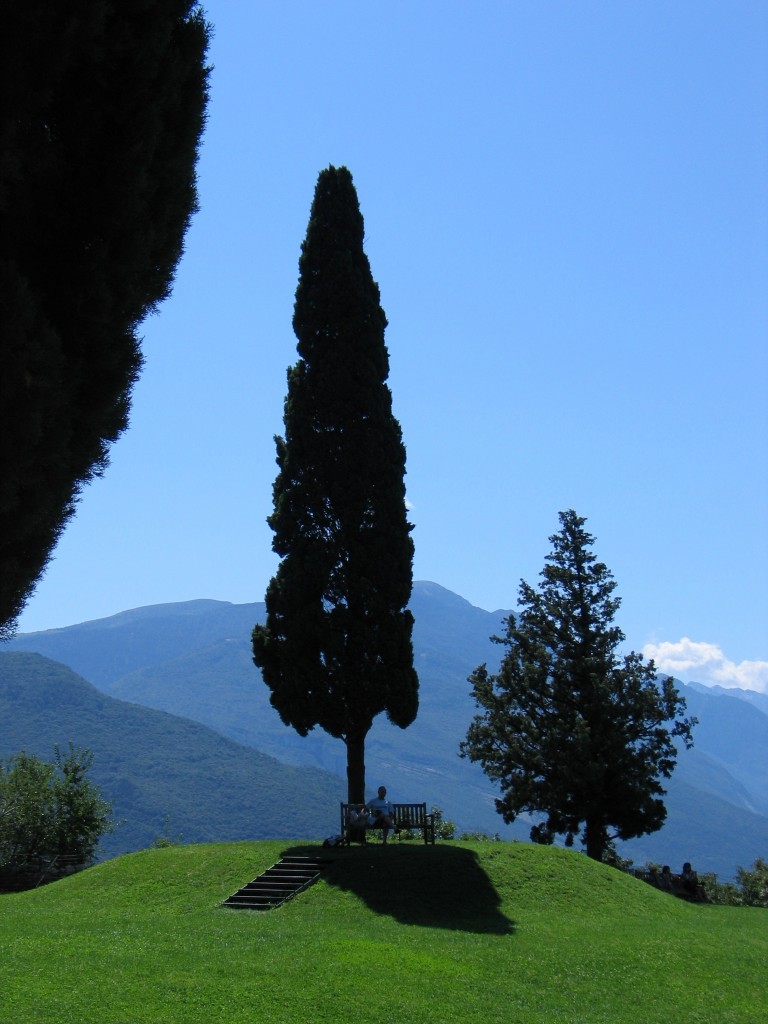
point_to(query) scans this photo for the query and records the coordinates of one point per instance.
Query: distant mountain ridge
(193, 659)
(759, 700)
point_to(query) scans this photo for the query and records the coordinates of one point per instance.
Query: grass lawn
(485, 932)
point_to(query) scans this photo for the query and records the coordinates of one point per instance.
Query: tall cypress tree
(567, 727)
(336, 649)
(103, 108)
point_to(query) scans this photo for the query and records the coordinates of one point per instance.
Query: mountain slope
(734, 733)
(712, 833)
(758, 700)
(104, 650)
(197, 663)
(154, 766)
(194, 659)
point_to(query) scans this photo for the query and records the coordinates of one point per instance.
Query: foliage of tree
(50, 809)
(753, 883)
(336, 649)
(567, 727)
(103, 109)
(723, 893)
(25, 808)
(444, 827)
(480, 837)
(749, 890)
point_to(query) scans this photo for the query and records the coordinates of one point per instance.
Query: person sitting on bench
(357, 822)
(382, 813)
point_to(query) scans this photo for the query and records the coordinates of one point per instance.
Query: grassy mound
(457, 932)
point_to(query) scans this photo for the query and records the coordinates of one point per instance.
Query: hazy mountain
(707, 830)
(154, 766)
(193, 659)
(734, 734)
(760, 700)
(196, 662)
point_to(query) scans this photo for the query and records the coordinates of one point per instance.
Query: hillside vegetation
(160, 772)
(486, 933)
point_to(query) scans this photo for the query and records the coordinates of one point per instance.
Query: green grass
(485, 932)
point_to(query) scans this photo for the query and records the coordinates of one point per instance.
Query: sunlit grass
(457, 932)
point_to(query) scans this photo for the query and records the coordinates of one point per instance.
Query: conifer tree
(336, 649)
(103, 108)
(567, 727)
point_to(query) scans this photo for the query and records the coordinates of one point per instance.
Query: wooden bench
(407, 816)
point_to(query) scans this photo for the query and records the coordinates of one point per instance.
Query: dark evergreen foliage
(103, 109)
(336, 650)
(567, 728)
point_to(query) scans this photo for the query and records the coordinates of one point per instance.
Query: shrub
(50, 809)
(754, 884)
(444, 829)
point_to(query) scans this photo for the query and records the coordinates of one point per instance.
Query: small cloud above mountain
(705, 663)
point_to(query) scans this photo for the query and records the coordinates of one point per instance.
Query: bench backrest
(406, 815)
(410, 815)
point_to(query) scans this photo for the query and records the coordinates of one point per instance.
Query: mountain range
(192, 661)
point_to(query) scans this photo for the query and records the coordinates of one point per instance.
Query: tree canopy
(103, 109)
(336, 649)
(567, 727)
(50, 809)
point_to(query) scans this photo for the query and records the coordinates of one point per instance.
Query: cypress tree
(567, 728)
(336, 649)
(103, 108)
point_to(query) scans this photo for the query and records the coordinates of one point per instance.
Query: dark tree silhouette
(336, 648)
(103, 109)
(567, 728)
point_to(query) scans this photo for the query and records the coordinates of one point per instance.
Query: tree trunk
(595, 838)
(356, 767)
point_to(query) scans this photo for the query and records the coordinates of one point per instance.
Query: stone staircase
(277, 884)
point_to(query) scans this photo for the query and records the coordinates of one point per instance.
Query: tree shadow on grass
(432, 886)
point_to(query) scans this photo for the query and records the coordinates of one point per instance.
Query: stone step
(253, 902)
(289, 879)
(269, 890)
(281, 882)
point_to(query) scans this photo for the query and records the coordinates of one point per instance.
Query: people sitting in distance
(665, 879)
(689, 881)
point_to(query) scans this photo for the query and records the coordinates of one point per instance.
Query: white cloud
(693, 661)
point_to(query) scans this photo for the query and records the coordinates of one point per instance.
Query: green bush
(444, 829)
(479, 837)
(50, 809)
(724, 893)
(754, 884)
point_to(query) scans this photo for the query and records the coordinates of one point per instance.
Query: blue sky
(566, 209)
